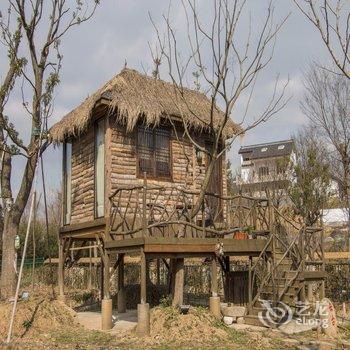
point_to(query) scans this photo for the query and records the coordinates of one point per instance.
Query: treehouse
(135, 155)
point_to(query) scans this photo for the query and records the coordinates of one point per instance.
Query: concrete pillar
(106, 313)
(214, 306)
(143, 320)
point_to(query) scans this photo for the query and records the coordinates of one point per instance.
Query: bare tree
(228, 66)
(225, 66)
(327, 105)
(38, 34)
(332, 20)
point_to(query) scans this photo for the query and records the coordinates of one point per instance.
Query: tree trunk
(1, 223)
(8, 267)
(205, 184)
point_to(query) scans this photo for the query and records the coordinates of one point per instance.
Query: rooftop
(267, 150)
(132, 95)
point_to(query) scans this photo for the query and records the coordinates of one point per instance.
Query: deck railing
(300, 245)
(173, 211)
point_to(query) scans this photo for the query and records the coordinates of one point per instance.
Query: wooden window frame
(153, 176)
(95, 122)
(64, 183)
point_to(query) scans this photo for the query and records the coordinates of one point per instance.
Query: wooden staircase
(284, 287)
(282, 284)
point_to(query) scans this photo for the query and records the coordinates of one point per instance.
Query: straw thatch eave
(131, 95)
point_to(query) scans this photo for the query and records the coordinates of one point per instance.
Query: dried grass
(133, 95)
(35, 317)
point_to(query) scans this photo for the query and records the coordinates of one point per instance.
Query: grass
(82, 338)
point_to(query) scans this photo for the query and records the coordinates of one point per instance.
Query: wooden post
(250, 287)
(158, 273)
(121, 289)
(143, 314)
(214, 300)
(227, 284)
(89, 286)
(273, 243)
(203, 219)
(143, 278)
(106, 276)
(144, 206)
(106, 305)
(178, 276)
(102, 278)
(214, 278)
(61, 268)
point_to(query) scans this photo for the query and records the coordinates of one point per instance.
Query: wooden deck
(187, 247)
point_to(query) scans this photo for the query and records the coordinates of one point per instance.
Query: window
(263, 171)
(264, 149)
(280, 147)
(153, 148)
(281, 169)
(67, 182)
(100, 168)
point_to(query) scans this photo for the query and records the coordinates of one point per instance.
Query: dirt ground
(43, 323)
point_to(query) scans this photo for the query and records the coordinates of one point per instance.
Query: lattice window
(263, 171)
(154, 152)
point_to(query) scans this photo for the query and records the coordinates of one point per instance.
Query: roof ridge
(267, 143)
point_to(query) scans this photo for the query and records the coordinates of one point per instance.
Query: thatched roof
(133, 95)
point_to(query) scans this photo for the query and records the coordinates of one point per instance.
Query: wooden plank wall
(186, 170)
(83, 178)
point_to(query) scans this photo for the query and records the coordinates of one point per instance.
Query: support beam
(121, 287)
(214, 301)
(177, 284)
(143, 314)
(143, 278)
(106, 305)
(214, 278)
(106, 276)
(226, 272)
(61, 254)
(158, 273)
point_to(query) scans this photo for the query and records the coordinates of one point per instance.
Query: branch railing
(303, 249)
(173, 211)
(148, 210)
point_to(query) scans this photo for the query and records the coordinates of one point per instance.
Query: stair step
(287, 298)
(255, 310)
(253, 320)
(283, 263)
(280, 287)
(287, 274)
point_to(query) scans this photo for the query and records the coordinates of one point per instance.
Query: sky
(119, 33)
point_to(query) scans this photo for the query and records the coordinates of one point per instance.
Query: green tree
(310, 191)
